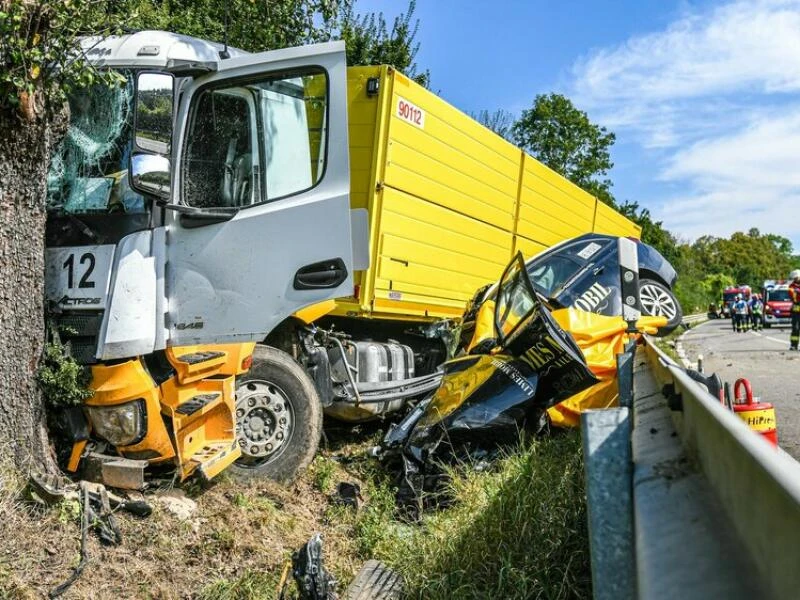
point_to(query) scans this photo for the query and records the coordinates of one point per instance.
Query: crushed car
(583, 273)
(526, 365)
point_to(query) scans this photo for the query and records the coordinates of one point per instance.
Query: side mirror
(154, 98)
(150, 165)
(150, 174)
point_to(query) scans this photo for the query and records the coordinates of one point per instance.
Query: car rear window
(549, 272)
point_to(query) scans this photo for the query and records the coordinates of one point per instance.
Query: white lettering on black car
(591, 299)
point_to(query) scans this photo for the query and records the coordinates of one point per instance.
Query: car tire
(658, 300)
(278, 417)
(375, 581)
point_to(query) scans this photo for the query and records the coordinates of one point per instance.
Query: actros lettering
(67, 301)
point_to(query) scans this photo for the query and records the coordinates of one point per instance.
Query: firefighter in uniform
(794, 296)
(756, 312)
(740, 319)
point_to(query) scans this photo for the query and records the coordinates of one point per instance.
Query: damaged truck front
(192, 208)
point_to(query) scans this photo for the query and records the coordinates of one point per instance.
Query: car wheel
(659, 301)
(278, 417)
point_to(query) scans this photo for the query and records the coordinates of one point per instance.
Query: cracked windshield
(89, 171)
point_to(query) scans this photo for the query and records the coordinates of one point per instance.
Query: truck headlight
(120, 425)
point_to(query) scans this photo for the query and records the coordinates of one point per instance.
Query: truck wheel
(278, 417)
(659, 301)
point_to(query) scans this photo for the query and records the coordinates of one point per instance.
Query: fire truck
(729, 297)
(777, 304)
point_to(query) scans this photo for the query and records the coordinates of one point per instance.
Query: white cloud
(718, 93)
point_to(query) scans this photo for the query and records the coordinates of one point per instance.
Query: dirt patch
(234, 543)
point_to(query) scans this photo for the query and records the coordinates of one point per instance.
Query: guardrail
(715, 508)
(694, 318)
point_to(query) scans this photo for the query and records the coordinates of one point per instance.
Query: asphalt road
(763, 357)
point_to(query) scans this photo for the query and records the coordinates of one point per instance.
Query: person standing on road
(756, 312)
(794, 296)
(739, 314)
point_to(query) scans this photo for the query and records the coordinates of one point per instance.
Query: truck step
(196, 403)
(214, 457)
(197, 365)
(200, 357)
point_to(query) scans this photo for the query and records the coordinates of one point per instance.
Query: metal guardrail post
(606, 436)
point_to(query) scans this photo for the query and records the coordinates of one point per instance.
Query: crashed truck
(237, 242)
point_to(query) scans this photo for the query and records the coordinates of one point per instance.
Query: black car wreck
(583, 272)
(489, 397)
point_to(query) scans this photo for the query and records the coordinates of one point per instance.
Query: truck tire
(375, 581)
(278, 417)
(658, 300)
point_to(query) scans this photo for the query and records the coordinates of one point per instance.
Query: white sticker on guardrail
(411, 113)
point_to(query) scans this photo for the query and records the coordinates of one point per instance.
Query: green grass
(664, 343)
(518, 531)
(249, 586)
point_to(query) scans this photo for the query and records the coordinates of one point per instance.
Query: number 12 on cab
(78, 276)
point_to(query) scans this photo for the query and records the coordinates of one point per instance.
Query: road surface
(763, 357)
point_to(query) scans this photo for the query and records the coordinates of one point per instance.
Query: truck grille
(80, 332)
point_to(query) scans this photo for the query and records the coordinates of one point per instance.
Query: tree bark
(26, 143)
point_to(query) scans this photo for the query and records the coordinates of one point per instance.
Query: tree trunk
(25, 147)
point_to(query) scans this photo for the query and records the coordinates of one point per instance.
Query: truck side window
(256, 141)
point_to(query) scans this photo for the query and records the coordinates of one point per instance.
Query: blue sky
(704, 96)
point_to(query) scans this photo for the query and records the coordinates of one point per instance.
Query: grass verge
(517, 530)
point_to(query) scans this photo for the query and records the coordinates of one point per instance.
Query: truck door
(261, 174)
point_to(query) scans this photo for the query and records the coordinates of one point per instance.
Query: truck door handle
(321, 275)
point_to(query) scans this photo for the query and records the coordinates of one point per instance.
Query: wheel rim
(264, 422)
(656, 302)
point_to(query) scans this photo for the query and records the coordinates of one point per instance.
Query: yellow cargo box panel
(362, 117)
(613, 223)
(425, 249)
(551, 207)
(438, 153)
(528, 247)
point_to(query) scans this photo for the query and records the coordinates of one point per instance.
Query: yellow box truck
(208, 203)
(449, 201)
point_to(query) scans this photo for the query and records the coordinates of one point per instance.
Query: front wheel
(659, 301)
(278, 417)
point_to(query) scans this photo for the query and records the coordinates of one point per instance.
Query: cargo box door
(261, 177)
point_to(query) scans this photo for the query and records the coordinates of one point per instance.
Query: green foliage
(500, 121)
(562, 137)
(253, 25)
(370, 41)
(653, 232)
(41, 61)
(715, 284)
(323, 473)
(62, 380)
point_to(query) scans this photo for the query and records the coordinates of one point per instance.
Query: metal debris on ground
(313, 581)
(348, 494)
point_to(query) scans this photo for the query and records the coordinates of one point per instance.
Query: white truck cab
(204, 200)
